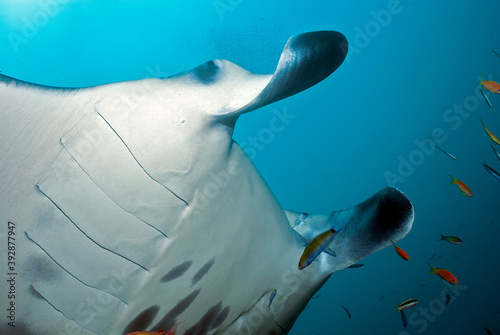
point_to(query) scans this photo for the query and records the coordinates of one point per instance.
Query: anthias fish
(491, 171)
(447, 153)
(451, 239)
(490, 134)
(486, 98)
(401, 252)
(490, 85)
(445, 274)
(172, 330)
(317, 245)
(461, 185)
(407, 304)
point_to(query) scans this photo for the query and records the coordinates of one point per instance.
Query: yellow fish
(406, 304)
(490, 134)
(317, 245)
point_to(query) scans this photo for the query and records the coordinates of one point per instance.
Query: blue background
(403, 74)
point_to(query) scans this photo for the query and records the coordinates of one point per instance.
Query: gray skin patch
(42, 268)
(170, 319)
(211, 320)
(206, 73)
(176, 272)
(20, 329)
(202, 272)
(143, 320)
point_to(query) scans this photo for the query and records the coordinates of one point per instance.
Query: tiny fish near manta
(135, 197)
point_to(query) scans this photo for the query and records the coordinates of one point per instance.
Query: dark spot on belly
(42, 268)
(23, 329)
(170, 319)
(143, 320)
(212, 319)
(176, 272)
(202, 272)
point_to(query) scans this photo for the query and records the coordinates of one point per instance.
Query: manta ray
(128, 206)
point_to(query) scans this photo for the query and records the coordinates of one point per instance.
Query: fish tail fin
(482, 122)
(453, 180)
(392, 242)
(442, 237)
(432, 269)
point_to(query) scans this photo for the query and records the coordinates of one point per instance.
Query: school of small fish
(322, 241)
(446, 275)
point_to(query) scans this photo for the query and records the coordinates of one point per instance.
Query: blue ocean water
(410, 77)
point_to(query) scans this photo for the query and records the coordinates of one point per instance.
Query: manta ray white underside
(133, 209)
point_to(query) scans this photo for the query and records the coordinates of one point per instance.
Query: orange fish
(173, 329)
(461, 185)
(490, 134)
(445, 274)
(401, 252)
(491, 86)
